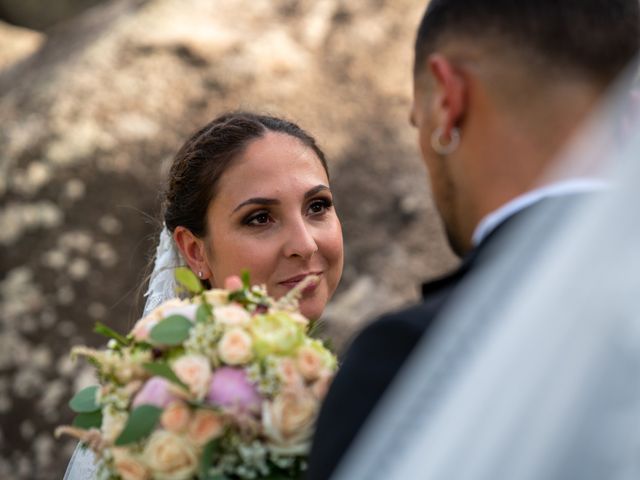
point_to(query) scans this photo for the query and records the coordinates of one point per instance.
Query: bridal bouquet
(223, 385)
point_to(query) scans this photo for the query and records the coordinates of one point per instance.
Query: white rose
(170, 456)
(232, 316)
(235, 347)
(195, 372)
(216, 296)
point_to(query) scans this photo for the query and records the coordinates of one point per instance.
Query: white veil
(162, 284)
(533, 371)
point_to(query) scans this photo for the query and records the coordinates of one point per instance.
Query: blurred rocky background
(95, 97)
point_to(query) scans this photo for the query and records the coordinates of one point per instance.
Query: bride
(246, 192)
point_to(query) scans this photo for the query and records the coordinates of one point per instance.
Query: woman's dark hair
(199, 164)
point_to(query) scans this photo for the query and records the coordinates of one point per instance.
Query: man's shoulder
(415, 319)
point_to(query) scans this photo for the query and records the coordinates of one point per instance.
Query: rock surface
(91, 116)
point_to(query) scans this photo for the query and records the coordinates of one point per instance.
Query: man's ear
(193, 251)
(450, 93)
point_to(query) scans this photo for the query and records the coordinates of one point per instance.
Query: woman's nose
(300, 241)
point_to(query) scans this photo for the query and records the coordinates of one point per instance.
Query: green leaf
(188, 279)
(85, 400)
(206, 461)
(246, 279)
(172, 330)
(102, 329)
(164, 370)
(88, 420)
(203, 314)
(141, 422)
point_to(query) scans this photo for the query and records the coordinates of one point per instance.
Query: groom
(500, 86)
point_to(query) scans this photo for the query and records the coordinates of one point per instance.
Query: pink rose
(289, 374)
(230, 387)
(156, 391)
(321, 386)
(175, 417)
(206, 425)
(175, 306)
(129, 467)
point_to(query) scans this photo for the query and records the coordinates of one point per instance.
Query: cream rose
(309, 362)
(128, 467)
(169, 457)
(232, 316)
(289, 374)
(289, 418)
(204, 426)
(235, 347)
(195, 372)
(175, 417)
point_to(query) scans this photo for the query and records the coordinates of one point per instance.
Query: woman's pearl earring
(200, 274)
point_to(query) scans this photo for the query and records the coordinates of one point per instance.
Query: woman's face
(273, 215)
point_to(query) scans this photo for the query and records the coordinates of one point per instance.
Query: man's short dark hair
(594, 37)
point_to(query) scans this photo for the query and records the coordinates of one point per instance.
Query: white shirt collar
(556, 189)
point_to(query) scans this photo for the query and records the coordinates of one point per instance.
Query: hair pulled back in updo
(202, 160)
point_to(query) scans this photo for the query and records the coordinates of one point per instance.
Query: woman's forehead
(274, 163)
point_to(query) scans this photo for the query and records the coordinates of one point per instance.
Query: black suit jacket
(369, 366)
(378, 353)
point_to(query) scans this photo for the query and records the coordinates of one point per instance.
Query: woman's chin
(312, 307)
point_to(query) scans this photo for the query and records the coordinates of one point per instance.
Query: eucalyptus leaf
(85, 400)
(206, 461)
(203, 313)
(140, 424)
(108, 332)
(88, 420)
(172, 330)
(188, 279)
(163, 370)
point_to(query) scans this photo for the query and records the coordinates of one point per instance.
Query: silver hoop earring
(445, 149)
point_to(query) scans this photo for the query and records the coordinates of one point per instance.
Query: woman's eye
(261, 218)
(319, 206)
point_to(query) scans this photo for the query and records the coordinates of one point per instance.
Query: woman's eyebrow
(315, 190)
(257, 201)
(274, 201)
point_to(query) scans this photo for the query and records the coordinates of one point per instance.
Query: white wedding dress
(82, 465)
(162, 287)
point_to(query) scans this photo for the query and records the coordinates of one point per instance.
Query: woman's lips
(291, 282)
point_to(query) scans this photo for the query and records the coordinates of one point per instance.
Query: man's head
(514, 78)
